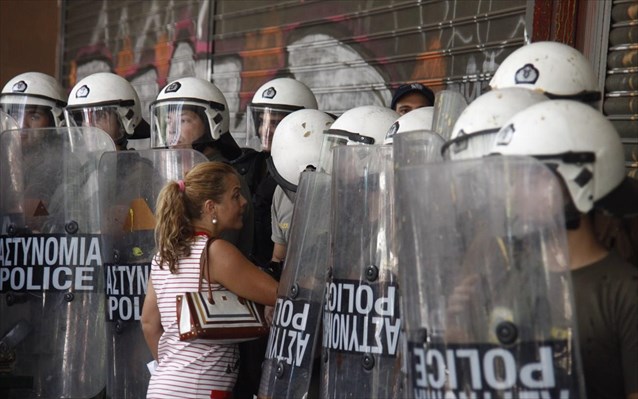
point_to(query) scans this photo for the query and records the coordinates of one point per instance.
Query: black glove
(274, 269)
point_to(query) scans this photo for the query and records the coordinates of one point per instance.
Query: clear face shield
(261, 125)
(178, 125)
(334, 138)
(29, 115)
(7, 122)
(103, 117)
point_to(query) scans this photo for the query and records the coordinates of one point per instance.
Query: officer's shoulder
(246, 154)
(247, 158)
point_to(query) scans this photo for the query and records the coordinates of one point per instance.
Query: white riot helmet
(367, 124)
(192, 113)
(271, 103)
(475, 130)
(297, 145)
(109, 102)
(417, 119)
(575, 140)
(34, 100)
(554, 69)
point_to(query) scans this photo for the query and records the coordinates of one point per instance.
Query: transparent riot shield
(130, 182)
(293, 339)
(417, 148)
(448, 105)
(361, 321)
(487, 298)
(51, 277)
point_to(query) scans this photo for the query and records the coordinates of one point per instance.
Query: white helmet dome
(575, 139)
(202, 93)
(554, 69)
(272, 102)
(297, 145)
(475, 129)
(284, 93)
(35, 88)
(367, 124)
(417, 119)
(104, 90)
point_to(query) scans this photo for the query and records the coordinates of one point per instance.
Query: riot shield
(51, 279)
(487, 299)
(130, 182)
(417, 148)
(293, 336)
(448, 105)
(361, 320)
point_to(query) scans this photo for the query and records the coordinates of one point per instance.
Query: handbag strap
(203, 268)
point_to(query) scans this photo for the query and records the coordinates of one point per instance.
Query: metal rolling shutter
(149, 42)
(350, 53)
(621, 83)
(353, 53)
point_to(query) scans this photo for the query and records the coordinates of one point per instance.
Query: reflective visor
(261, 125)
(177, 125)
(102, 117)
(30, 116)
(330, 142)
(7, 122)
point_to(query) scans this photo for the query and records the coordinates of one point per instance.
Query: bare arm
(151, 320)
(633, 395)
(279, 253)
(231, 269)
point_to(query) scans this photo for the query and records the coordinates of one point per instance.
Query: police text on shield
(49, 263)
(360, 318)
(288, 340)
(125, 290)
(488, 371)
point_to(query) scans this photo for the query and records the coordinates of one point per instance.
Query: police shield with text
(289, 370)
(295, 329)
(51, 275)
(361, 320)
(130, 182)
(486, 290)
(294, 350)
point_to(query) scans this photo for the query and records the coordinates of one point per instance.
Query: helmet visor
(102, 117)
(29, 116)
(330, 142)
(469, 145)
(178, 125)
(261, 125)
(7, 122)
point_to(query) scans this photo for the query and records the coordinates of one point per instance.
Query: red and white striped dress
(187, 370)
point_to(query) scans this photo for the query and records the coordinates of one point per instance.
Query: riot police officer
(34, 100)
(584, 150)
(109, 102)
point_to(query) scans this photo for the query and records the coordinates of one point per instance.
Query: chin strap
(122, 142)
